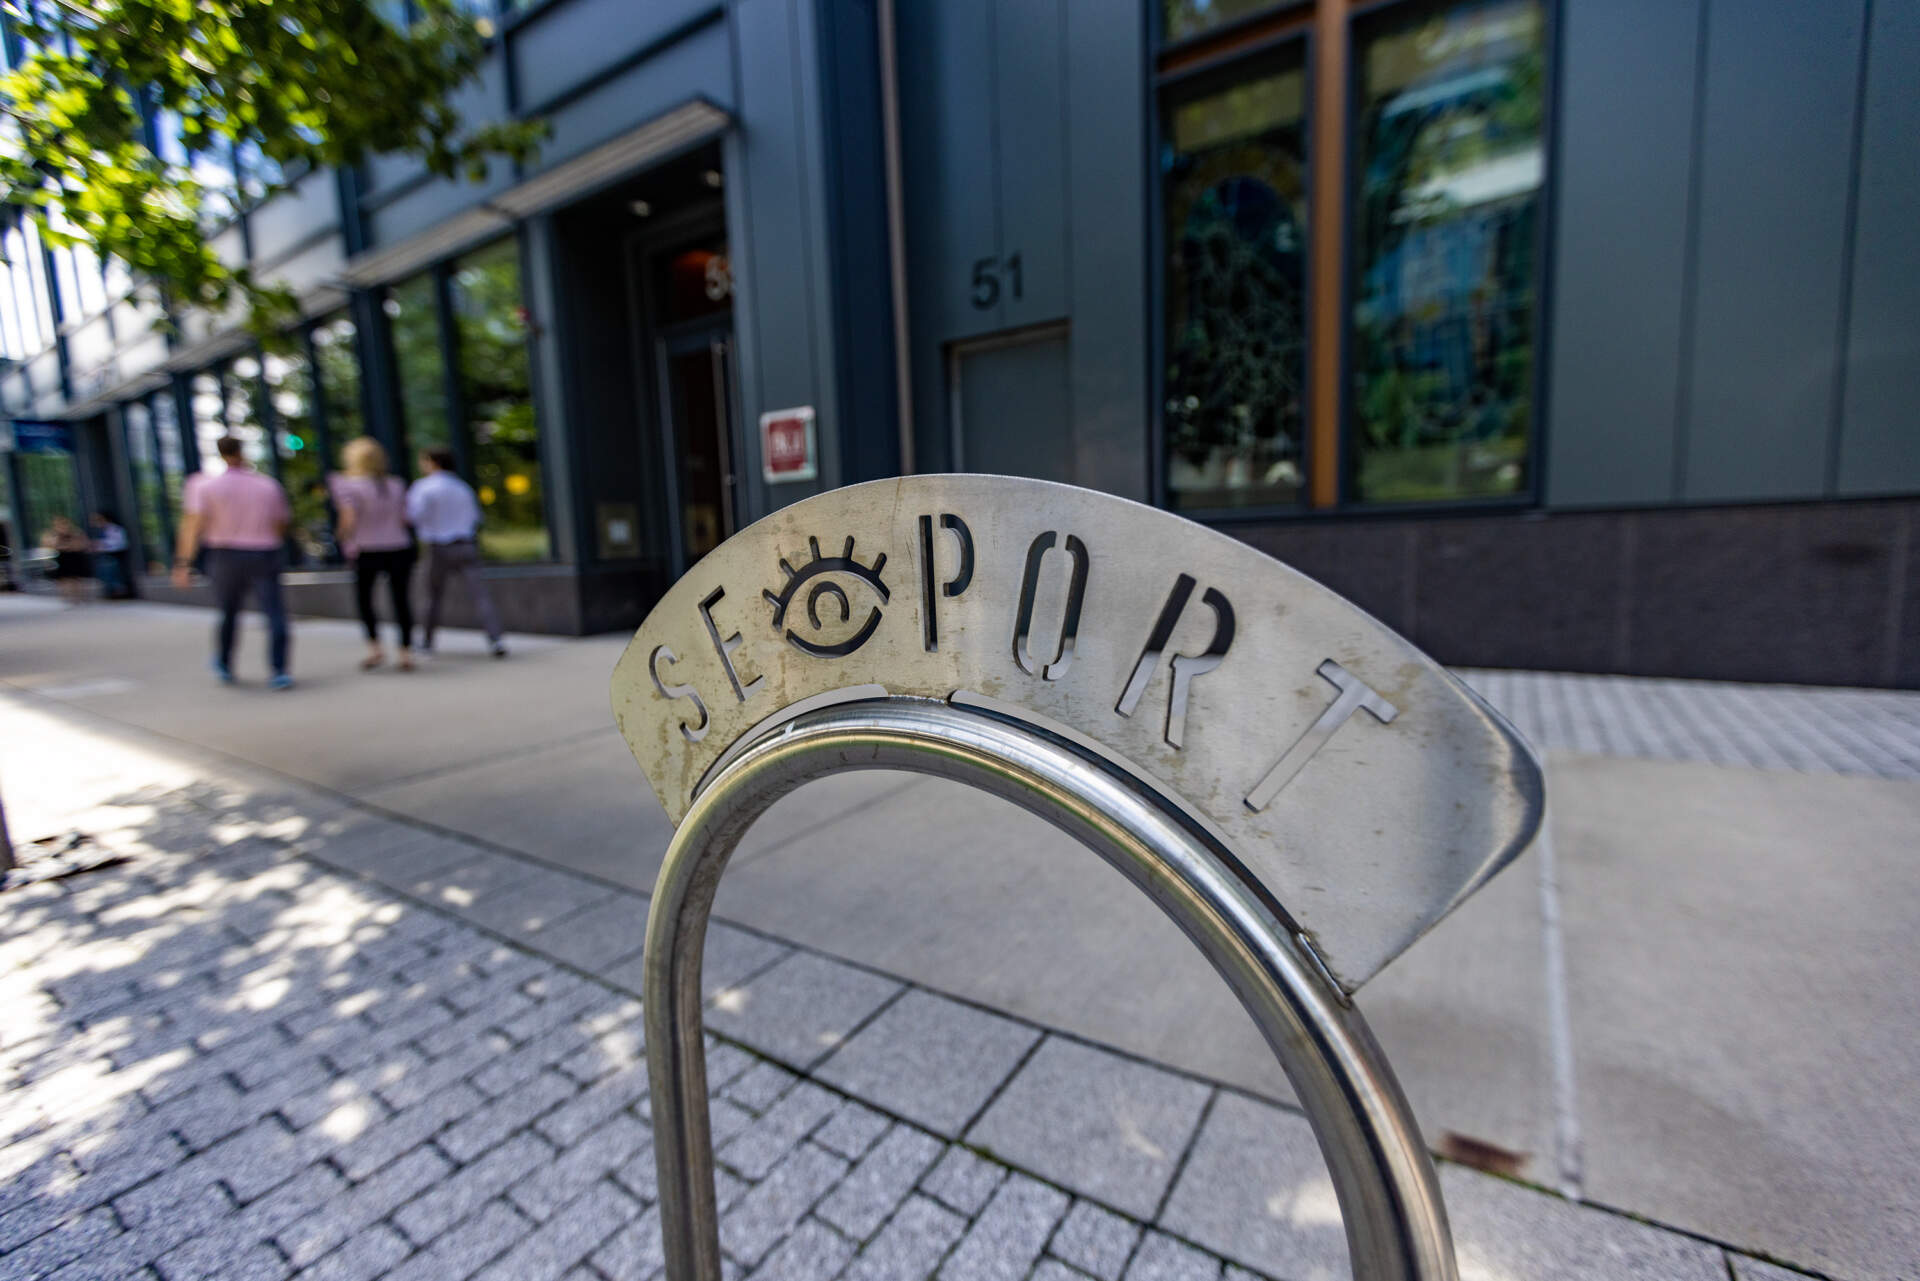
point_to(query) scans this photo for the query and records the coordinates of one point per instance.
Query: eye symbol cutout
(825, 589)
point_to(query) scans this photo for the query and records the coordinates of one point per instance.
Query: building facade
(1577, 334)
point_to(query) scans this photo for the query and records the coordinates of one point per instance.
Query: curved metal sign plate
(1365, 788)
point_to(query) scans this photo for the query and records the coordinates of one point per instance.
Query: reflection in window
(243, 412)
(498, 393)
(172, 458)
(1190, 17)
(1234, 174)
(1450, 158)
(138, 421)
(290, 390)
(209, 405)
(339, 369)
(416, 351)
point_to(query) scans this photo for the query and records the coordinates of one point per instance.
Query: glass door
(690, 288)
(698, 383)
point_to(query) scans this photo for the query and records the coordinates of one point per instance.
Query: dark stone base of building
(1806, 593)
(1811, 593)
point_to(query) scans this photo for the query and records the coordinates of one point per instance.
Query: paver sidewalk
(292, 1037)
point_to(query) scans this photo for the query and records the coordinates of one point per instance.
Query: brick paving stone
(634, 1253)
(529, 1060)
(480, 1130)
(208, 1256)
(371, 1254)
(1161, 1258)
(395, 1184)
(931, 1060)
(1095, 1240)
(801, 1009)
(404, 1130)
(852, 1130)
(1008, 1236)
(478, 1240)
(640, 1174)
(571, 1235)
(1057, 1117)
(534, 903)
(760, 1085)
(70, 1240)
(431, 1213)
(759, 1147)
(812, 1253)
(1054, 1270)
(880, 1182)
(598, 1154)
(598, 935)
(770, 1209)
(963, 1180)
(912, 1244)
(598, 1103)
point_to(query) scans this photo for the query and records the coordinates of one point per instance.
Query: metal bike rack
(725, 731)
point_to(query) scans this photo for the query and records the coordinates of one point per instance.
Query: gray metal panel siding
(1107, 172)
(789, 303)
(1776, 164)
(1030, 108)
(1879, 445)
(305, 210)
(560, 48)
(698, 66)
(1013, 406)
(1627, 80)
(946, 124)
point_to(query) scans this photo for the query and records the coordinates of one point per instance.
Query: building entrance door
(692, 305)
(697, 374)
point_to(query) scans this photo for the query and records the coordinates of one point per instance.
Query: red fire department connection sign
(787, 445)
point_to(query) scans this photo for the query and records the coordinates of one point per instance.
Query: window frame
(1331, 31)
(1241, 63)
(441, 274)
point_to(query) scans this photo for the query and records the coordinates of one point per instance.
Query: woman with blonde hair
(372, 508)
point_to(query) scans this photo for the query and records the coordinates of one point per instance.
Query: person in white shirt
(445, 516)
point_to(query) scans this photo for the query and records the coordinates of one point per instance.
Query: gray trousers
(444, 561)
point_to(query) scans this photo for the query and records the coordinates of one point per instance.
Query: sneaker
(280, 680)
(499, 649)
(221, 672)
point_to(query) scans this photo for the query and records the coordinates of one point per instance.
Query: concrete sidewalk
(290, 1037)
(1637, 1012)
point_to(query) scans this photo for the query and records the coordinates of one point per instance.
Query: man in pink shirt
(241, 518)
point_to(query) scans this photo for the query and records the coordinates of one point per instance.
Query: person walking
(241, 518)
(372, 507)
(110, 557)
(72, 558)
(446, 516)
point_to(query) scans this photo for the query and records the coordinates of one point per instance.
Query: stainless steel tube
(1389, 1197)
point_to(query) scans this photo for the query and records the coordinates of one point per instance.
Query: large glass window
(243, 412)
(1233, 173)
(338, 358)
(289, 385)
(1185, 18)
(498, 395)
(209, 403)
(422, 369)
(170, 454)
(1449, 161)
(137, 420)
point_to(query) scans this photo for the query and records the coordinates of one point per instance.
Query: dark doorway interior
(648, 290)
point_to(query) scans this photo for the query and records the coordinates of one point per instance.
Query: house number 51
(987, 274)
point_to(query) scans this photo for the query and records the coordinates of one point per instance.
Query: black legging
(397, 565)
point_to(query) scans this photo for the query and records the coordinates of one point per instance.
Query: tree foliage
(297, 84)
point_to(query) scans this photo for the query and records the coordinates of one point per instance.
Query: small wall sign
(787, 448)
